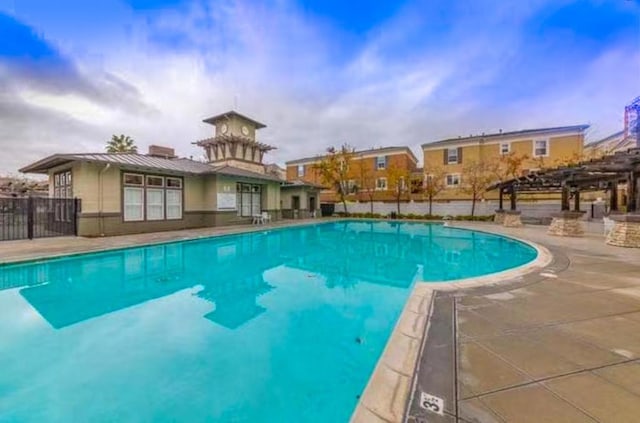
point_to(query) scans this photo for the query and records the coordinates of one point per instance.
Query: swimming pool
(276, 326)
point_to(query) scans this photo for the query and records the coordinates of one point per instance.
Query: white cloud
(80, 108)
(158, 79)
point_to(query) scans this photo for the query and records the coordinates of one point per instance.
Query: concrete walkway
(559, 346)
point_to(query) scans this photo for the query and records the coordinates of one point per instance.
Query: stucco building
(369, 171)
(132, 193)
(544, 147)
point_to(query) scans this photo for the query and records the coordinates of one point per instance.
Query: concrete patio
(562, 345)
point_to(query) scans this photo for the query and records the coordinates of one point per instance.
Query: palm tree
(121, 144)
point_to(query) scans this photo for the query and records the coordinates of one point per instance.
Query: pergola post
(613, 197)
(564, 206)
(576, 200)
(632, 192)
(513, 197)
(512, 216)
(499, 216)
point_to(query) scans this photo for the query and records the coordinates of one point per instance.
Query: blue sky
(318, 73)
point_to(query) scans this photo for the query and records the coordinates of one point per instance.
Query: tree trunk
(473, 206)
(371, 205)
(430, 205)
(344, 204)
(398, 204)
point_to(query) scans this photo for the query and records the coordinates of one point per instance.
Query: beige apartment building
(368, 168)
(544, 147)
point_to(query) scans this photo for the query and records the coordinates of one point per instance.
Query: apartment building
(369, 177)
(543, 147)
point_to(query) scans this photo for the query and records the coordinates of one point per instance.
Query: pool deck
(554, 343)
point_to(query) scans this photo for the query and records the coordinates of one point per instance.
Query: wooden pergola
(602, 174)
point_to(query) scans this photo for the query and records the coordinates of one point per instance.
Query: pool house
(126, 193)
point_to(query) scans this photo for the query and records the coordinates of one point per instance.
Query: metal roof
(122, 159)
(227, 115)
(141, 161)
(236, 171)
(380, 150)
(511, 134)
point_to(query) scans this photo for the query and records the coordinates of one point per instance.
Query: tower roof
(228, 115)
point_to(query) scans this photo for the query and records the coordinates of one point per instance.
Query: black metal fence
(29, 218)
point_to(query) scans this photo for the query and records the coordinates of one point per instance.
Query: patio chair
(258, 219)
(266, 217)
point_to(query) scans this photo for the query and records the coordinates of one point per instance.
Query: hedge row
(412, 216)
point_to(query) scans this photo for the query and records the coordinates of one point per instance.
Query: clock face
(223, 128)
(245, 130)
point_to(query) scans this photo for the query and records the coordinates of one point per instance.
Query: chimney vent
(159, 151)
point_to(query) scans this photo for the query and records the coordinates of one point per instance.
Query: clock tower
(234, 142)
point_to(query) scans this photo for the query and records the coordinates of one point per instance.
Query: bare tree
(398, 180)
(334, 170)
(367, 182)
(476, 177)
(507, 166)
(433, 185)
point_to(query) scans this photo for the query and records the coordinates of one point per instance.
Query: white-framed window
(505, 148)
(174, 204)
(155, 181)
(300, 170)
(133, 179)
(151, 197)
(540, 148)
(452, 155)
(381, 184)
(62, 187)
(174, 182)
(452, 180)
(133, 204)
(155, 204)
(381, 162)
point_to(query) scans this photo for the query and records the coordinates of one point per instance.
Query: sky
(318, 73)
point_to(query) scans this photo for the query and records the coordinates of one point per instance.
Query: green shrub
(469, 218)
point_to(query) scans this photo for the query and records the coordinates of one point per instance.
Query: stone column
(566, 223)
(512, 219)
(499, 217)
(626, 231)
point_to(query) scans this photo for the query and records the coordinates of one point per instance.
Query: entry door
(312, 203)
(295, 201)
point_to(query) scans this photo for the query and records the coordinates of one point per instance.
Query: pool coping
(391, 388)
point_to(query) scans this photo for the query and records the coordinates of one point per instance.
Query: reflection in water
(235, 301)
(230, 269)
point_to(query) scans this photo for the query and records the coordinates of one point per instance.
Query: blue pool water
(277, 326)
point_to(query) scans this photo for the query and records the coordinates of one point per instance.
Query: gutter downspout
(100, 199)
